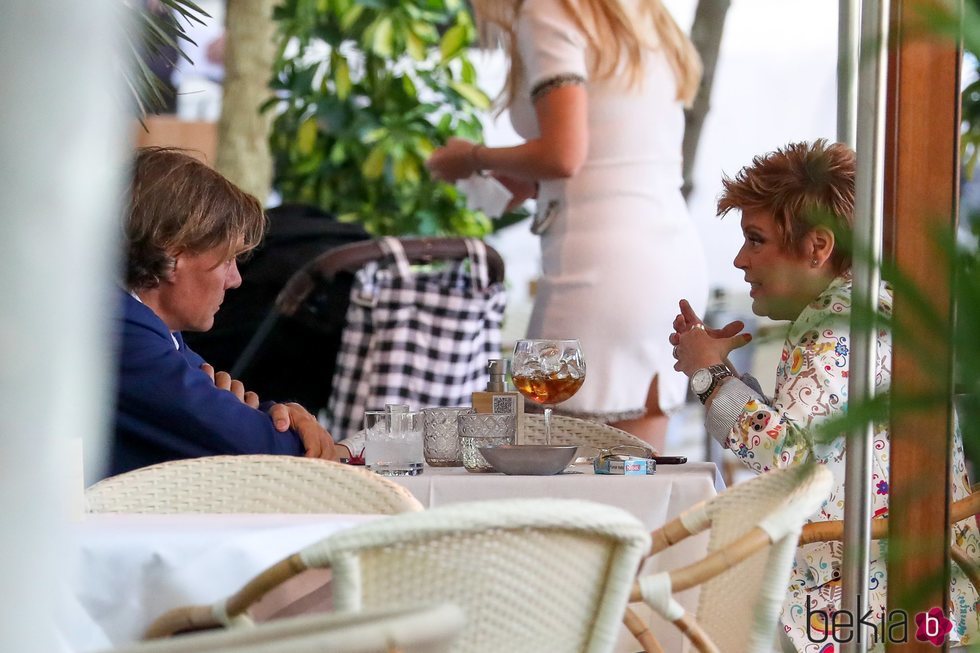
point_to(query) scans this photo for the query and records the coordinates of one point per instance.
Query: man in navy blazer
(185, 228)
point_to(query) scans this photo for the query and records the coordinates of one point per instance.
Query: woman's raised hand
(454, 161)
(697, 346)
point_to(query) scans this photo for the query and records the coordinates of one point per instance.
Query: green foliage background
(365, 91)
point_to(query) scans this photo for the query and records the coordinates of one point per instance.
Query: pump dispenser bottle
(498, 398)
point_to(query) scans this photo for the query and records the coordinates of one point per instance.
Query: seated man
(184, 229)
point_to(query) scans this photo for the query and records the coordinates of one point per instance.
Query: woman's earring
(813, 263)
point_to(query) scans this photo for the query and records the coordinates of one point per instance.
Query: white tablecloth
(132, 568)
(654, 500)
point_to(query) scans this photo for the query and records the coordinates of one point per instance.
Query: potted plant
(365, 90)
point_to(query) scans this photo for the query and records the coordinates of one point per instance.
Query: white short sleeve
(550, 43)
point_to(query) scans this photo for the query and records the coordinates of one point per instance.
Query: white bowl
(529, 459)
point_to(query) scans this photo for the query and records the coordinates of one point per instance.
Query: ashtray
(529, 459)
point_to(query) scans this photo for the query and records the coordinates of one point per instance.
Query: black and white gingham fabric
(420, 338)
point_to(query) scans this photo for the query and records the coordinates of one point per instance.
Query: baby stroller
(284, 357)
(418, 335)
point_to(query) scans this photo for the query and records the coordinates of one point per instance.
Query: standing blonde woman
(596, 88)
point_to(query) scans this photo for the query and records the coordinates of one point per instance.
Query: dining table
(130, 568)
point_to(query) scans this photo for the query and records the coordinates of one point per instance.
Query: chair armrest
(966, 564)
(692, 575)
(690, 522)
(830, 531)
(227, 611)
(184, 619)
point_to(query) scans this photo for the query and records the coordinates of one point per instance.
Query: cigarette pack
(624, 466)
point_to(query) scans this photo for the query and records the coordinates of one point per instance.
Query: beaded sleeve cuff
(546, 86)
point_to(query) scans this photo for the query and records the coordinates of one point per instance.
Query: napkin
(484, 193)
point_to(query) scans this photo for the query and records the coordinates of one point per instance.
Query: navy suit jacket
(167, 408)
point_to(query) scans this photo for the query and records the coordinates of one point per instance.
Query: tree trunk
(706, 32)
(243, 133)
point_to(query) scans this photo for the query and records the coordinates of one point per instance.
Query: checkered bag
(421, 338)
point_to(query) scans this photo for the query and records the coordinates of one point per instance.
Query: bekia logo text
(841, 627)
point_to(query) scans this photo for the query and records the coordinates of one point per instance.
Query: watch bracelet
(718, 372)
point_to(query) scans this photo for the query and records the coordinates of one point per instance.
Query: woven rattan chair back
(740, 607)
(572, 430)
(416, 630)
(250, 484)
(753, 530)
(531, 575)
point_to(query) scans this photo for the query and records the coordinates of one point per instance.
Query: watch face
(701, 380)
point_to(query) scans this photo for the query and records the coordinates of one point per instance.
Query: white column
(61, 148)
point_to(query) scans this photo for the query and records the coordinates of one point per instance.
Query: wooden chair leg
(642, 634)
(699, 638)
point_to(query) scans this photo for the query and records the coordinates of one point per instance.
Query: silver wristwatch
(706, 379)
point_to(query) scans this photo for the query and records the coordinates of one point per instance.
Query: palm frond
(151, 34)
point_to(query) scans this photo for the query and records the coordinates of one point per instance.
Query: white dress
(620, 250)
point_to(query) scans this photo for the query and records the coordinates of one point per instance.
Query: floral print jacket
(811, 386)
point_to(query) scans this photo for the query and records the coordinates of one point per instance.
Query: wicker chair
(416, 630)
(250, 484)
(571, 430)
(966, 508)
(754, 527)
(530, 574)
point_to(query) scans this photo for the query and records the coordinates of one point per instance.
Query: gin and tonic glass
(548, 372)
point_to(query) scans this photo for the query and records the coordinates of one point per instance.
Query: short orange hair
(799, 185)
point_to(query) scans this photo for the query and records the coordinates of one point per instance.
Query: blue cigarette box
(624, 466)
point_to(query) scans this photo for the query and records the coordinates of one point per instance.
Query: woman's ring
(698, 325)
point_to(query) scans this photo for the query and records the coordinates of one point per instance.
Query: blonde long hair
(609, 28)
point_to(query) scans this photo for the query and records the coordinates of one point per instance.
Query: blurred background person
(199, 81)
(163, 60)
(597, 88)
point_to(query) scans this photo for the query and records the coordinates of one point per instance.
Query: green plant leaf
(374, 164)
(415, 45)
(306, 136)
(382, 42)
(341, 79)
(471, 94)
(409, 87)
(350, 17)
(453, 42)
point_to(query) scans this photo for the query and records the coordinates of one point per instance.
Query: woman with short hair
(795, 204)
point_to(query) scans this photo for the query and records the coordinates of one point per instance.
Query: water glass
(393, 442)
(484, 430)
(440, 439)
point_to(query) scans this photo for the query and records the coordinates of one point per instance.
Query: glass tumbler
(393, 443)
(484, 430)
(440, 436)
